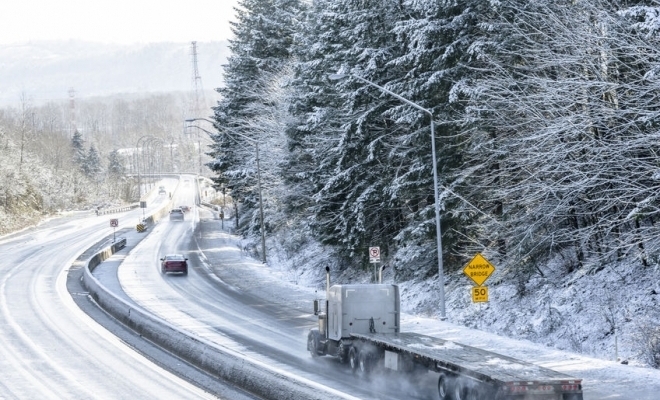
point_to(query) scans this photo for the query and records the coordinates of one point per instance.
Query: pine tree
(342, 130)
(261, 47)
(439, 38)
(116, 168)
(78, 146)
(92, 166)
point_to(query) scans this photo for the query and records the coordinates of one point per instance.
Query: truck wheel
(312, 345)
(353, 359)
(342, 353)
(444, 387)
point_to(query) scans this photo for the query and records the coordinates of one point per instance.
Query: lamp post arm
(201, 129)
(256, 144)
(403, 99)
(220, 130)
(438, 230)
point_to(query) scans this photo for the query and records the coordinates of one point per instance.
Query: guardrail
(253, 376)
(117, 209)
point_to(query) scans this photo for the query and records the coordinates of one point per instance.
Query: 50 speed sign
(479, 294)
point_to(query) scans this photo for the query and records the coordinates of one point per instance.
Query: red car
(174, 263)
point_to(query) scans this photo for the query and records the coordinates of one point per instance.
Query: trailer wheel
(444, 387)
(353, 359)
(462, 391)
(364, 364)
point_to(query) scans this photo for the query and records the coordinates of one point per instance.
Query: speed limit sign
(114, 222)
(374, 254)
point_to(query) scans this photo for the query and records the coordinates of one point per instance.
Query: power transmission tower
(198, 102)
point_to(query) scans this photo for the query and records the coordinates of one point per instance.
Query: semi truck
(360, 325)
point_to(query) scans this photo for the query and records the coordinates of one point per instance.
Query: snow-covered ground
(610, 315)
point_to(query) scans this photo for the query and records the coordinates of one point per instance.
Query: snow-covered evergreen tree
(560, 128)
(116, 168)
(261, 48)
(78, 147)
(438, 38)
(92, 166)
(352, 148)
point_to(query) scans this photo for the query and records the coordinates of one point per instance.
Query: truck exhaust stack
(327, 281)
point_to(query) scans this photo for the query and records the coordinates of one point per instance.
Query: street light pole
(441, 274)
(155, 156)
(137, 151)
(261, 202)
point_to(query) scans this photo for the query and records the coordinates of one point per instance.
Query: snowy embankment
(558, 323)
(611, 315)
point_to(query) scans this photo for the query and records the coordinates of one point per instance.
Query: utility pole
(72, 110)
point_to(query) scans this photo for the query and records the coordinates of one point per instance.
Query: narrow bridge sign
(479, 269)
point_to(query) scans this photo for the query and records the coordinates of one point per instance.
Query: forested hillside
(546, 124)
(58, 158)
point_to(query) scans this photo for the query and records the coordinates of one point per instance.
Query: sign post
(479, 269)
(114, 223)
(374, 258)
(143, 205)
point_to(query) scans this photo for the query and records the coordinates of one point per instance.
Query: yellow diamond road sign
(479, 269)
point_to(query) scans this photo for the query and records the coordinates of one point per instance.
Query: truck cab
(362, 309)
(353, 309)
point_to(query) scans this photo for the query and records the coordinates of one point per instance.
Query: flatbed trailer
(482, 374)
(360, 325)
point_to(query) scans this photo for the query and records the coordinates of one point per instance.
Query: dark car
(176, 214)
(174, 263)
(185, 208)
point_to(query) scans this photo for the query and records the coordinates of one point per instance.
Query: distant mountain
(46, 71)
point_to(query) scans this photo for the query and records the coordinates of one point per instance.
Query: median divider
(253, 376)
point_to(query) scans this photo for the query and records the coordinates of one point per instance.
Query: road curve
(48, 347)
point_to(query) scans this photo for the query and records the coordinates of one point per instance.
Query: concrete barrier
(119, 244)
(255, 377)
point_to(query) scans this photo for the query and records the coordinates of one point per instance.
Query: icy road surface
(49, 348)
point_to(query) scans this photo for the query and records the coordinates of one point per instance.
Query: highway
(50, 348)
(248, 320)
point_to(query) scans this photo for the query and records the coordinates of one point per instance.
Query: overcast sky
(115, 21)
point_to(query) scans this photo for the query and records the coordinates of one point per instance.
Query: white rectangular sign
(374, 254)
